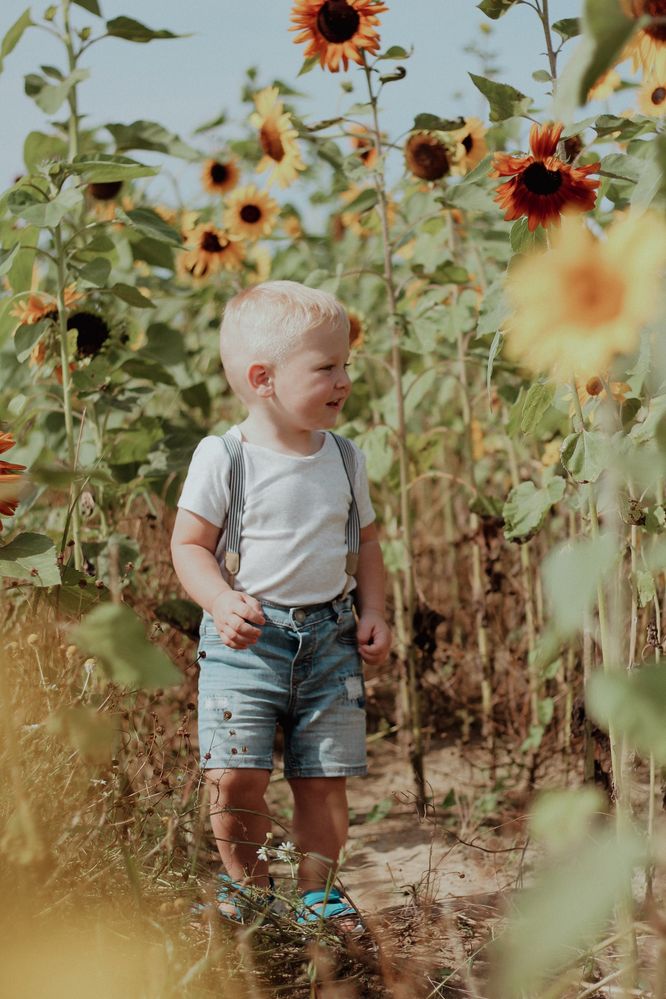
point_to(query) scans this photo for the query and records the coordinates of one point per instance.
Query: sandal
(248, 904)
(320, 905)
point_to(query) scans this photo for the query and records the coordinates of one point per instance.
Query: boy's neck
(257, 429)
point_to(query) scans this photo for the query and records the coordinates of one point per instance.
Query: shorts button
(299, 615)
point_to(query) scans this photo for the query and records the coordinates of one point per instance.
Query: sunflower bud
(50, 12)
(85, 33)
(594, 386)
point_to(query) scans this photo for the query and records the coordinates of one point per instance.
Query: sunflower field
(505, 282)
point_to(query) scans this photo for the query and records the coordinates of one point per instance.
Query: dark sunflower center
(219, 173)
(105, 191)
(250, 213)
(468, 142)
(658, 96)
(91, 333)
(271, 143)
(210, 243)
(337, 21)
(538, 180)
(655, 8)
(427, 158)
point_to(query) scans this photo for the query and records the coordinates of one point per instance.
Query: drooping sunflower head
(337, 31)
(427, 156)
(250, 213)
(105, 191)
(277, 137)
(357, 329)
(92, 332)
(41, 306)
(208, 251)
(647, 48)
(220, 175)
(364, 144)
(471, 145)
(541, 186)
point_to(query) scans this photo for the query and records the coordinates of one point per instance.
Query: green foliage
(91, 733)
(560, 819)
(50, 96)
(496, 8)
(104, 167)
(634, 704)
(504, 100)
(32, 557)
(527, 507)
(114, 635)
(14, 35)
(150, 135)
(45, 214)
(585, 455)
(572, 572)
(135, 31)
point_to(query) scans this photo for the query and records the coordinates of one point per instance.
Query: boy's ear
(260, 380)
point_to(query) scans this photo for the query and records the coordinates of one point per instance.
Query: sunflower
(599, 294)
(337, 30)
(543, 186)
(471, 139)
(647, 48)
(250, 213)
(292, 226)
(210, 250)
(9, 480)
(606, 85)
(652, 95)
(41, 306)
(219, 176)
(364, 144)
(105, 190)
(357, 329)
(277, 136)
(259, 261)
(427, 156)
(92, 332)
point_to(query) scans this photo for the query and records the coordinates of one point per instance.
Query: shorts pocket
(347, 628)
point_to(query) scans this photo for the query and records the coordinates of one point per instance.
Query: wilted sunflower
(427, 156)
(578, 305)
(337, 30)
(471, 139)
(210, 250)
(647, 48)
(652, 95)
(543, 186)
(250, 213)
(42, 306)
(357, 329)
(277, 136)
(219, 176)
(92, 332)
(364, 144)
(9, 480)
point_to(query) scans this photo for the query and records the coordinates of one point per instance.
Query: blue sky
(184, 82)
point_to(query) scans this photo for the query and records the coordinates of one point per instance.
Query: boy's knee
(231, 785)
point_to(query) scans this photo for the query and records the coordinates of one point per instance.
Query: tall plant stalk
(406, 607)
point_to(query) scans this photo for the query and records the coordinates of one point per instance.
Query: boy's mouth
(336, 404)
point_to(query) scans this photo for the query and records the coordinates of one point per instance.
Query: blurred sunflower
(9, 480)
(357, 329)
(543, 186)
(277, 136)
(427, 156)
(92, 332)
(606, 85)
(259, 261)
(218, 176)
(250, 213)
(600, 293)
(291, 225)
(364, 144)
(652, 95)
(210, 250)
(647, 48)
(41, 306)
(104, 191)
(471, 139)
(337, 30)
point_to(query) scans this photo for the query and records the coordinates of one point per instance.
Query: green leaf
(90, 5)
(567, 27)
(149, 223)
(496, 8)
(395, 52)
(541, 76)
(215, 122)
(634, 704)
(645, 587)
(7, 257)
(128, 293)
(379, 456)
(135, 443)
(606, 31)
(571, 573)
(151, 135)
(28, 552)
(308, 65)
(103, 168)
(585, 455)
(50, 96)
(93, 734)
(39, 147)
(96, 272)
(45, 214)
(561, 818)
(535, 405)
(13, 36)
(151, 371)
(527, 507)
(495, 349)
(134, 31)
(504, 100)
(522, 240)
(115, 635)
(364, 202)
(431, 123)
(26, 337)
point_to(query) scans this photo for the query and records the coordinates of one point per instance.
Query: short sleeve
(362, 489)
(206, 488)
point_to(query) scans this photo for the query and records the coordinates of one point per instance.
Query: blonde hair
(267, 321)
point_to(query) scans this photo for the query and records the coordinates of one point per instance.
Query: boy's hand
(374, 638)
(232, 611)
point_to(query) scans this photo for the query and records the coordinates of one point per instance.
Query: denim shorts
(305, 674)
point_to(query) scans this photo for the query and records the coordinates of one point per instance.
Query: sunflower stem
(544, 17)
(72, 99)
(405, 609)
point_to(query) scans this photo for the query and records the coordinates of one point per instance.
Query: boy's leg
(240, 820)
(320, 824)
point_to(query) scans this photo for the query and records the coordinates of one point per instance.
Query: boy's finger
(254, 611)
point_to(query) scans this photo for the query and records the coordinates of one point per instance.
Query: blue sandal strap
(333, 906)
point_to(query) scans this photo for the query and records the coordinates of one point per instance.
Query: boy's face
(311, 385)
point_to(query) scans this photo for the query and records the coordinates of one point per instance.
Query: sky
(184, 82)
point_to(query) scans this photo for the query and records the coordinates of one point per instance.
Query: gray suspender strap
(236, 499)
(353, 526)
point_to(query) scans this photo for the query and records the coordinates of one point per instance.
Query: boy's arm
(193, 544)
(373, 633)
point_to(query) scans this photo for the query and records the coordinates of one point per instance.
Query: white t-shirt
(293, 547)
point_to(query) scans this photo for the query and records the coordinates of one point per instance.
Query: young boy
(279, 639)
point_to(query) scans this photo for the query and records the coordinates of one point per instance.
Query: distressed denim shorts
(305, 674)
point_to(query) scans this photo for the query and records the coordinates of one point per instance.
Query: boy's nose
(344, 381)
